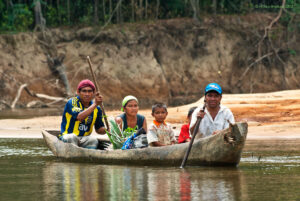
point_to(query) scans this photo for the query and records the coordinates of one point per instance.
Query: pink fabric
(86, 83)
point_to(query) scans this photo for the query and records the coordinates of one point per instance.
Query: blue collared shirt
(70, 124)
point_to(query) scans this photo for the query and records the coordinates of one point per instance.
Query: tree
(96, 18)
(141, 8)
(110, 8)
(68, 7)
(146, 9)
(58, 11)
(157, 8)
(214, 6)
(104, 12)
(132, 10)
(196, 9)
(40, 21)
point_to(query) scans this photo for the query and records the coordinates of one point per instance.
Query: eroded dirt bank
(169, 61)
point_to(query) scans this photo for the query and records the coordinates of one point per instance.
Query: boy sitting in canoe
(160, 133)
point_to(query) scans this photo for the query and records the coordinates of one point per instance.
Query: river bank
(170, 61)
(31, 128)
(272, 117)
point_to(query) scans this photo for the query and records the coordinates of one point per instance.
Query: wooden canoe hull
(213, 150)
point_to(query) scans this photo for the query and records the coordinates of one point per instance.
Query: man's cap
(86, 83)
(213, 87)
(126, 100)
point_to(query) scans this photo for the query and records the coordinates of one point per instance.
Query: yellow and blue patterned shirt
(70, 124)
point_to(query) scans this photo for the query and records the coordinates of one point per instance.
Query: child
(184, 135)
(160, 133)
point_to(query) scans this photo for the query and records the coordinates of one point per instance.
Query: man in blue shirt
(80, 115)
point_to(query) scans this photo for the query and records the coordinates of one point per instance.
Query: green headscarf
(126, 100)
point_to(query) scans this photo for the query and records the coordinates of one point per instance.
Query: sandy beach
(270, 116)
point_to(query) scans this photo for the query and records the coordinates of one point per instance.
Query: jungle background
(157, 50)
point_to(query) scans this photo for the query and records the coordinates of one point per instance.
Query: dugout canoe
(223, 149)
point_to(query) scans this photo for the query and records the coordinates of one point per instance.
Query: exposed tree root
(36, 95)
(18, 95)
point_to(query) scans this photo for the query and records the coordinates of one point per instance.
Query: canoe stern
(224, 148)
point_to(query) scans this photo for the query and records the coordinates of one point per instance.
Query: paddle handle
(195, 131)
(97, 89)
(92, 72)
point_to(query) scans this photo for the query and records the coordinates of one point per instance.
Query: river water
(29, 171)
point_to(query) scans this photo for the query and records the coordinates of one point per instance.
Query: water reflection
(185, 186)
(218, 184)
(73, 181)
(29, 171)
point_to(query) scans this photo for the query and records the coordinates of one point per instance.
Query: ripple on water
(273, 159)
(23, 147)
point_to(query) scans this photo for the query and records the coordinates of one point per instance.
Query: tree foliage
(18, 15)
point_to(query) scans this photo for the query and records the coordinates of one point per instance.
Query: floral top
(160, 132)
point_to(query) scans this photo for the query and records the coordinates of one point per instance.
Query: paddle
(97, 89)
(195, 131)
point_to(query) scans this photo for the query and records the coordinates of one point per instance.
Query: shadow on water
(29, 171)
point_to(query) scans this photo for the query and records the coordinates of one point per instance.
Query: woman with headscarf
(130, 117)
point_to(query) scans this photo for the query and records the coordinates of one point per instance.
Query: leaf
(117, 136)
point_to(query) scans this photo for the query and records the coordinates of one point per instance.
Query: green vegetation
(23, 15)
(117, 136)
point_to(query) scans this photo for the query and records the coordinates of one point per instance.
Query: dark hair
(191, 110)
(158, 105)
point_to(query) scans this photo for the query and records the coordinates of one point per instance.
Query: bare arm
(192, 129)
(84, 114)
(145, 124)
(157, 144)
(200, 114)
(119, 121)
(101, 130)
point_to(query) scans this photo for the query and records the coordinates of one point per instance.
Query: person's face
(131, 107)
(160, 114)
(86, 94)
(213, 99)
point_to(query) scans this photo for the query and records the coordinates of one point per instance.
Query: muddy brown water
(269, 170)
(29, 171)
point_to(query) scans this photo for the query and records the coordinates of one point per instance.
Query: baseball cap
(213, 87)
